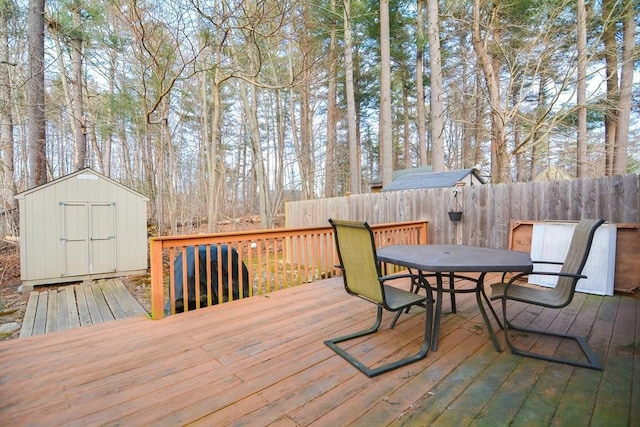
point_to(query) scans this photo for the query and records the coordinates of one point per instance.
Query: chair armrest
(540, 273)
(550, 273)
(504, 275)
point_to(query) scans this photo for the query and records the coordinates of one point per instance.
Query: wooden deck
(73, 306)
(262, 361)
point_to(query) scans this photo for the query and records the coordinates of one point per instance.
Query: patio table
(454, 259)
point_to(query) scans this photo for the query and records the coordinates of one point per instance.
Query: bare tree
(303, 138)
(420, 115)
(37, 140)
(385, 137)
(165, 54)
(611, 68)
(80, 128)
(7, 181)
(249, 104)
(581, 94)
(629, 55)
(68, 35)
(484, 44)
(437, 103)
(353, 143)
(330, 181)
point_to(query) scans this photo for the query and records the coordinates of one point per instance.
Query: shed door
(88, 236)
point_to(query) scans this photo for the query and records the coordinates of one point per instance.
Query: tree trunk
(581, 95)
(406, 138)
(422, 132)
(7, 180)
(212, 213)
(306, 160)
(436, 103)
(280, 141)
(353, 143)
(478, 126)
(611, 67)
(467, 152)
(385, 137)
(626, 88)
(538, 134)
(37, 141)
(79, 123)
(251, 111)
(491, 69)
(330, 181)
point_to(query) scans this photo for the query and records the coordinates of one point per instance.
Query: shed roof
(433, 180)
(377, 182)
(80, 172)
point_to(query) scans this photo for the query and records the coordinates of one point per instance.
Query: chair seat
(398, 298)
(543, 296)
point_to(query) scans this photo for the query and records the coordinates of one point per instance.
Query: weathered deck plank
(72, 308)
(78, 305)
(51, 324)
(29, 315)
(262, 361)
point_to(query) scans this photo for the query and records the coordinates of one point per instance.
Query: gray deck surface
(73, 306)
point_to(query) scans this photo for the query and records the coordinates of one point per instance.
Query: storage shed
(82, 226)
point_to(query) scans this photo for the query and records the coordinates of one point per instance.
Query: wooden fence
(487, 209)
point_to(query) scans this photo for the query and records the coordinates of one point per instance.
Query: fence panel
(487, 209)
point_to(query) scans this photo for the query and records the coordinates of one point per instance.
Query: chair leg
(396, 317)
(415, 288)
(493, 311)
(593, 362)
(390, 366)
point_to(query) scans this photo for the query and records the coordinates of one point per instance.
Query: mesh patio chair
(559, 296)
(362, 278)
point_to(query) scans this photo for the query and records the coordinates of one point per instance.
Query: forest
(220, 109)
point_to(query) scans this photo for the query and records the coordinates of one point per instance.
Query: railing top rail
(206, 238)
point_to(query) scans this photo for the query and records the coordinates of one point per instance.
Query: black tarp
(216, 265)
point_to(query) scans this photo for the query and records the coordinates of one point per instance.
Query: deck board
(262, 361)
(73, 306)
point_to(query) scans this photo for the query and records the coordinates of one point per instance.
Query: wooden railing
(274, 259)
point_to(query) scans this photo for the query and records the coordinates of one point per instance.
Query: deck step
(73, 306)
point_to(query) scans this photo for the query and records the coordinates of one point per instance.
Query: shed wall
(42, 253)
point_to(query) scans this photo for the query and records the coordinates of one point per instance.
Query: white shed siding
(81, 226)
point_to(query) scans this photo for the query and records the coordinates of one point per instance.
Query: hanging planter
(455, 213)
(455, 216)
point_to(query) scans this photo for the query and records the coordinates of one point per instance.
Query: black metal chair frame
(408, 299)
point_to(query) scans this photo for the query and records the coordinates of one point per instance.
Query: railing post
(157, 288)
(422, 233)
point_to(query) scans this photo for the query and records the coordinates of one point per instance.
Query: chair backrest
(577, 254)
(358, 260)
